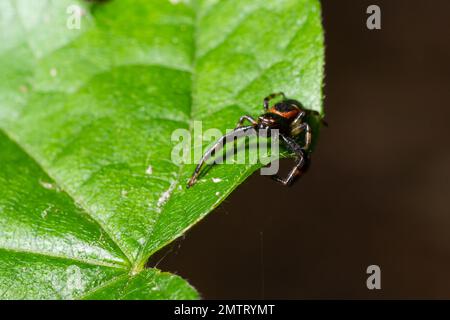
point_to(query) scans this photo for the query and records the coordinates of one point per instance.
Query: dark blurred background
(378, 189)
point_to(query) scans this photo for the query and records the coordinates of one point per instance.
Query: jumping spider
(289, 117)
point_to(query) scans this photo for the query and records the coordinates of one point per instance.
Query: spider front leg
(301, 162)
(220, 144)
(246, 118)
(270, 97)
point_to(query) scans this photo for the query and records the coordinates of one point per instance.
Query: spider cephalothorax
(289, 117)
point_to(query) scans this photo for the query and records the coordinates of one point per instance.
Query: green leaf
(88, 191)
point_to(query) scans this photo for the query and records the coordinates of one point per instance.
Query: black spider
(289, 117)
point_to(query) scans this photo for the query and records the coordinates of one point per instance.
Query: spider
(289, 117)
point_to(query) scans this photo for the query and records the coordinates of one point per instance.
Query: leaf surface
(88, 189)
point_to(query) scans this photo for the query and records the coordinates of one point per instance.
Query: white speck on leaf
(141, 241)
(53, 72)
(48, 185)
(149, 170)
(74, 280)
(165, 196)
(216, 180)
(46, 211)
(217, 193)
(124, 193)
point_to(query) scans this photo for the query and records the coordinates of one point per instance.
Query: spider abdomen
(287, 109)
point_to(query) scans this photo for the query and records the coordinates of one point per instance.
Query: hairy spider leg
(301, 162)
(244, 118)
(220, 143)
(270, 97)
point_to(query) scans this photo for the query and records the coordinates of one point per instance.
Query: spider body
(289, 117)
(288, 109)
(280, 116)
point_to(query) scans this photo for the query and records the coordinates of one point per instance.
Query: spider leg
(303, 127)
(301, 162)
(216, 147)
(270, 97)
(297, 127)
(299, 118)
(244, 118)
